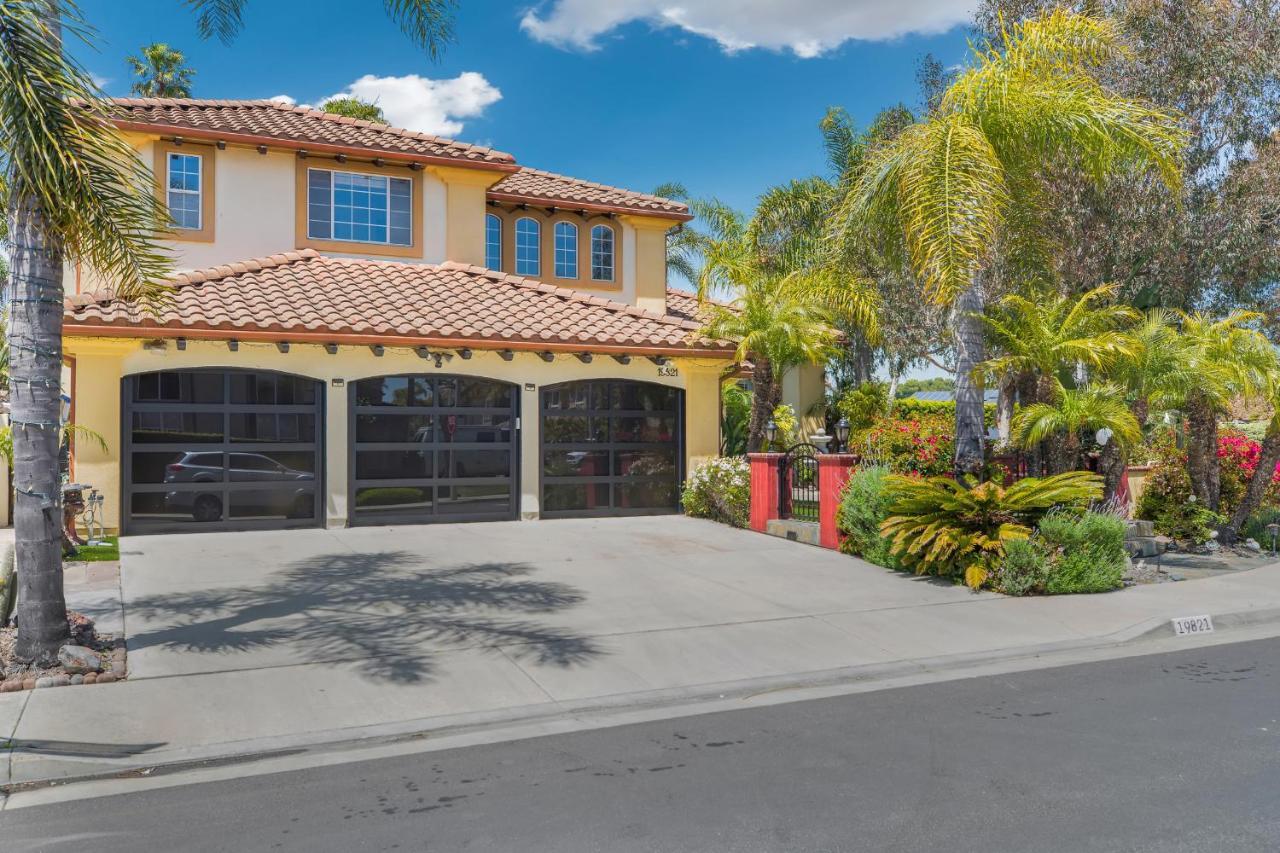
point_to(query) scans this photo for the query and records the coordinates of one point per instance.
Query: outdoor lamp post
(842, 434)
(770, 433)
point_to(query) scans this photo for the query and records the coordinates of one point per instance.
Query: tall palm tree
(948, 191)
(161, 72)
(1228, 359)
(783, 301)
(75, 191)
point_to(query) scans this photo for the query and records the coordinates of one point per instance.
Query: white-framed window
(492, 241)
(528, 249)
(602, 253)
(566, 234)
(185, 190)
(360, 208)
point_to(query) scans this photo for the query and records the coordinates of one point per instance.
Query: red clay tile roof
(300, 126)
(535, 185)
(303, 296)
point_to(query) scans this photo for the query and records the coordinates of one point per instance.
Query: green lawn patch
(98, 553)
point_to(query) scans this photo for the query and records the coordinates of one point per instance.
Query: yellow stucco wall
(650, 261)
(804, 389)
(101, 362)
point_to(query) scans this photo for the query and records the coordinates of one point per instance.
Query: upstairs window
(184, 191)
(351, 206)
(602, 253)
(528, 238)
(566, 250)
(492, 242)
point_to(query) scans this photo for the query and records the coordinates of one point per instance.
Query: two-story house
(373, 325)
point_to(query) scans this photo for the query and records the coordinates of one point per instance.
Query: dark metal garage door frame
(226, 409)
(611, 446)
(434, 516)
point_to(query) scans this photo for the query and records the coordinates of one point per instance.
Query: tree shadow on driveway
(383, 610)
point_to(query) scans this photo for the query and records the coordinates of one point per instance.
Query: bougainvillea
(923, 445)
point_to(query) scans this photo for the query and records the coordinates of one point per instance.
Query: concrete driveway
(578, 607)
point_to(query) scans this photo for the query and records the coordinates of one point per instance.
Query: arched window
(492, 242)
(566, 250)
(602, 253)
(528, 236)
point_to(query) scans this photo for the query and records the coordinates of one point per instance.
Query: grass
(98, 553)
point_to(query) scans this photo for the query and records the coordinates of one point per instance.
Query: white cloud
(808, 28)
(98, 80)
(283, 99)
(423, 104)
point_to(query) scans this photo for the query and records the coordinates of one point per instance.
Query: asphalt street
(1164, 753)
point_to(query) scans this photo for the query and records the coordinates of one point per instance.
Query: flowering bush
(924, 445)
(1238, 456)
(720, 489)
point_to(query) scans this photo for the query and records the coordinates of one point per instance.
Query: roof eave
(150, 331)
(571, 204)
(162, 130)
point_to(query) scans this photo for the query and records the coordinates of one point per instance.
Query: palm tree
(1228, 359)
(947, 192)
(783, 303)
(75, 191)
(1071, 412)
(160, 72)
(1046, 336)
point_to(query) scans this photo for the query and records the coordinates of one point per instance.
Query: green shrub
(784, 418)
(864, 505)
(1086, 552)
(1024, 570)
(1256, 527)
(720, 489)
(924, 445)
(864, 405)
(908, 408)
(1188, 522)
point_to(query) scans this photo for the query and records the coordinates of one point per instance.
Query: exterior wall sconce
(546, 356)
(622, 359)
(423, 352)
(659, 359)
(506, 354)
(283, 346)
(842, 434)
(233, 345)
(332, 349)
(465, 353)
(584, 357)
(182, 343)
(376, 349)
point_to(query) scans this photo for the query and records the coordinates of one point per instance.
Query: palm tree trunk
(1026, 382)
(1112, 462)
(970, 352)
(765, 393)
(1268, 457)
(1202, 450)
(1004, 407)
(35, 353)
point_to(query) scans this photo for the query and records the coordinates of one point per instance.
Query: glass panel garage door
(221, 449)
(611, 448)
(433, 448)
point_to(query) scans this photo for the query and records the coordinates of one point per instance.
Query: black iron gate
(798, 483)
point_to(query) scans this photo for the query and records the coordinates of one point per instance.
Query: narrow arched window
(566, 250)
(602, 253)
(492, 242)
(528, 236)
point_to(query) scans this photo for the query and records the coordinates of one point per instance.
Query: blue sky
(624, 92)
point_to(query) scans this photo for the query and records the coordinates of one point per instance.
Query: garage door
(611, 448)
(221, 449)
(433, 448)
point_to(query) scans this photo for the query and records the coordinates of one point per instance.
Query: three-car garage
(217, 449)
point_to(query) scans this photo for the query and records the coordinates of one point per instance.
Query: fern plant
(938, 526)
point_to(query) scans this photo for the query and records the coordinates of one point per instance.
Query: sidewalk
(284, 702)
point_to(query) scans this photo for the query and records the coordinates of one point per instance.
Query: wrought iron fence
(798, 482)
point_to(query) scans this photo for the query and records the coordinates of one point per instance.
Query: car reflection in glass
(245, 467)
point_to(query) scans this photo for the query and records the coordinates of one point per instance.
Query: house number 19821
(667, 370)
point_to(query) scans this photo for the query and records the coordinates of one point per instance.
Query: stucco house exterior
(373, 325)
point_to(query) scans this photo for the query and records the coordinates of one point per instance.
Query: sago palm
(939, 526)
(161, 72)
(947, 190)
(74, 191)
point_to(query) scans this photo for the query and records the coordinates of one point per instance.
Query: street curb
(556, 717)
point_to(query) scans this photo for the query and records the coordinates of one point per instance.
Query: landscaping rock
(10, 687)
(62, 680)
(44, 681)
(1252, 544)
(77, 679)
(82, 631)
(106, 678)
(79, 660)
(28, 684)
(91, 678)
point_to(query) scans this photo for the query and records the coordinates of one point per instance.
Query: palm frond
(428, 23)
(221, 19)
(95, 194)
